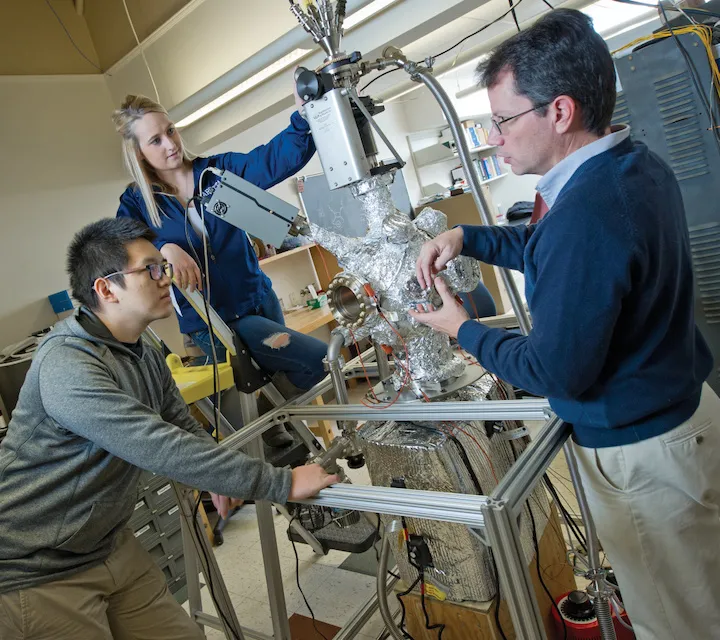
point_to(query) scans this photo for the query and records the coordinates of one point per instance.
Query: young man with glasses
(97, 406)
(614, 344)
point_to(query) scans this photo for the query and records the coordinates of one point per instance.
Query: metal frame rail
(493, 517)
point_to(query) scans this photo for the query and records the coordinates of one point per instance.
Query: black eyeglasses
(156, 271)
(497, 123)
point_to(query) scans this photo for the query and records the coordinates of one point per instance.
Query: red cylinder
(585, 629)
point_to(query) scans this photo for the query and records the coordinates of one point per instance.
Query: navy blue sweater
(609, 283)
(238, 284)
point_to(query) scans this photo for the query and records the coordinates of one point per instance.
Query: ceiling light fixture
(353, 20)
(276, 67)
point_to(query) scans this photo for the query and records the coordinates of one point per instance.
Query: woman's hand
(186, 272)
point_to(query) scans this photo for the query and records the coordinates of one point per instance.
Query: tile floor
(333, 593)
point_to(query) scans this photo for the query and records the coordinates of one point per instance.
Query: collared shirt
(552, 183)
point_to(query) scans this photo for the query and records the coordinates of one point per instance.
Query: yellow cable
(703, 32)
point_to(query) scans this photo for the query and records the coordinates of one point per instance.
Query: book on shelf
(488, 167)
(475, 133)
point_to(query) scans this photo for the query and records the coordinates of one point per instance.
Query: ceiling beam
(392, 88)
(400, 24)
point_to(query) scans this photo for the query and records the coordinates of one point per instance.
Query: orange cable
(482, 449)
(322, 257)
(406, 377)
(472, 304)
(362, 363)
(454, 425)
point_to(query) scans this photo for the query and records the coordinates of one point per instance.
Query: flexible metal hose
(390, 532)
(604, 618)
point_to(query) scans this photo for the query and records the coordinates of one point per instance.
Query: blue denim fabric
(300, 360)
(483, 302)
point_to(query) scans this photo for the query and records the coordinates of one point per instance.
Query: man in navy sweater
(614, 345)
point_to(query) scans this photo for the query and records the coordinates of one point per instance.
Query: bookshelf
(436, 162)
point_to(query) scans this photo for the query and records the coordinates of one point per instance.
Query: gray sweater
(91, 413)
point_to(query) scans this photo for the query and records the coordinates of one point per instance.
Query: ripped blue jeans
(272, 345)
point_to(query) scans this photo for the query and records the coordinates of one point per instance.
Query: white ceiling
(217, 35)
(608, 17)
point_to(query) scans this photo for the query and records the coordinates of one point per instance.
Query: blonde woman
(165, 179)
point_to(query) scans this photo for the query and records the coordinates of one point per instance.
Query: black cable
(497, 597)
(302, 593)
(198, 533)
(539, 570)
(568, 518)
(514, 15)
(206, 277)
(216, 410)
(377, 78)
(480, 30)
(459, 42)
(575, 528)
(67, 33)
(428, 626)
(400, 596)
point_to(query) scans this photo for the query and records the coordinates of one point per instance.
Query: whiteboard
(337, 210)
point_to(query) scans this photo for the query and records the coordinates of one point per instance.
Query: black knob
(578, 606)
(356, 462)
(308, 84)
(355, 56)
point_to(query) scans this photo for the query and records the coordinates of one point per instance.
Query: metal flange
(350, 300)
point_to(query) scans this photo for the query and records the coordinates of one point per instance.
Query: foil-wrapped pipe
(378, 286)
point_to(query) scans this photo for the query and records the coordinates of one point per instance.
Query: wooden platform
(476, 621)
(307, 320)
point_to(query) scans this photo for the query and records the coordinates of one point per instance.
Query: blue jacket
(237, 283)
(609, 283)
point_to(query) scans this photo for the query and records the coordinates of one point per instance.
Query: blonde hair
(144, 176)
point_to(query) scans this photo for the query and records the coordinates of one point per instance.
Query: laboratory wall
(60, 169)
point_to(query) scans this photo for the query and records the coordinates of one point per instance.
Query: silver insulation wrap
(371, 298)
(449, 457)
(385, 259)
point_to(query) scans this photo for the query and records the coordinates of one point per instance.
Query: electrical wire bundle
(705, 34)
(432, 58)
(302, 593)
(420, 568)
(204, 270)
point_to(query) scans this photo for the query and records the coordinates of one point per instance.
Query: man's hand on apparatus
(436, 253)
(449, 318)
(308, 479)
(186, 272)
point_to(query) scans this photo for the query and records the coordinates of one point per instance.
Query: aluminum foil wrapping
(385, 258)
(436, 457)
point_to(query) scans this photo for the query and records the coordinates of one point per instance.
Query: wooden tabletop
(307, 320)
(504, 321)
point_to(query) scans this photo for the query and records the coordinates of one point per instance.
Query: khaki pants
(124, 598)
(656, 506)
